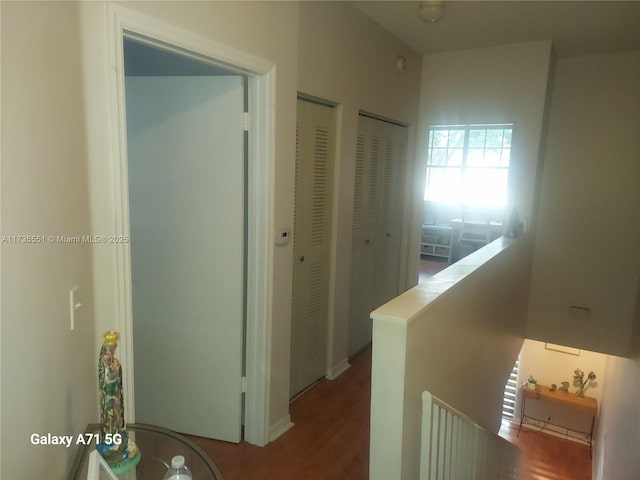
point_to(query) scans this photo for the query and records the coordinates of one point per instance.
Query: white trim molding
(337, 370)
(280, 427)
(260, 209)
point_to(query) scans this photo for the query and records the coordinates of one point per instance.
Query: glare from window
(468, 164)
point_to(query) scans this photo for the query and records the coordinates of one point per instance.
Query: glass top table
(157, 447)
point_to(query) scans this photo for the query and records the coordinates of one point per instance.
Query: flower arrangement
(533, 382)
(581, 383)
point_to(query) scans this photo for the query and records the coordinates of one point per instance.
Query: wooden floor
(547, 457)
(429, 266)
(331, 440)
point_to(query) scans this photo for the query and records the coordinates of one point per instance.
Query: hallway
(330, 439)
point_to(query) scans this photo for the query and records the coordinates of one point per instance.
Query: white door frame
(260, 207)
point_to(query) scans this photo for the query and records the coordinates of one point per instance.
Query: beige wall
(618, 430)
(348, 59)
(586, 251)
(49, 373)
(506, 84)
(456, 335)
(551, 366)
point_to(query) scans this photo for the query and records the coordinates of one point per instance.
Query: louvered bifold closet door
(369, 150)
(391, 200)
(364, 229)
(377, 217)
(315, 134)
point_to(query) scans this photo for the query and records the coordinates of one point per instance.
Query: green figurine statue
(120, 452)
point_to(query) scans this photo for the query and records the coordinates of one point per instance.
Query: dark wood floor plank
(547, 457)
(331, 440)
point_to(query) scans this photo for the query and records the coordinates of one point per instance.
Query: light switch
(74, 305)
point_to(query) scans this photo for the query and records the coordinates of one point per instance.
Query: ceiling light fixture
(431, 11)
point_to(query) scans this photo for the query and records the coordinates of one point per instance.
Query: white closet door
(390, 212)
(315, 132)
(357, 302)
(377, 219)
(185, 150)
(364, 234)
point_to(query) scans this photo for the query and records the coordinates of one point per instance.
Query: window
(510, 392)
(468, 164)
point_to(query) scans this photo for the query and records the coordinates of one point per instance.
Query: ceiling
(576, 27)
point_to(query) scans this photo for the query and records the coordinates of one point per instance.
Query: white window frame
(464, 165)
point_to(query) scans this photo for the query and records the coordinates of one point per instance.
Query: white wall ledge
(459, 332)
(411, 304)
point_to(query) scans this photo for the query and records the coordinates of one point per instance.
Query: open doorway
(255, 265)
(186, 177)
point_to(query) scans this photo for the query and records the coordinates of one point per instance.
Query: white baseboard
(338, 369)
(280, 427)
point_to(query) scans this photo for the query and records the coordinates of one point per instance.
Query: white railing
(454, 447)
(458, 332)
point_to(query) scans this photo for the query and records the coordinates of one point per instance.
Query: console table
(587, 406)
(157, 446)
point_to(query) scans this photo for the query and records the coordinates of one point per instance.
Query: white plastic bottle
(178, 470)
